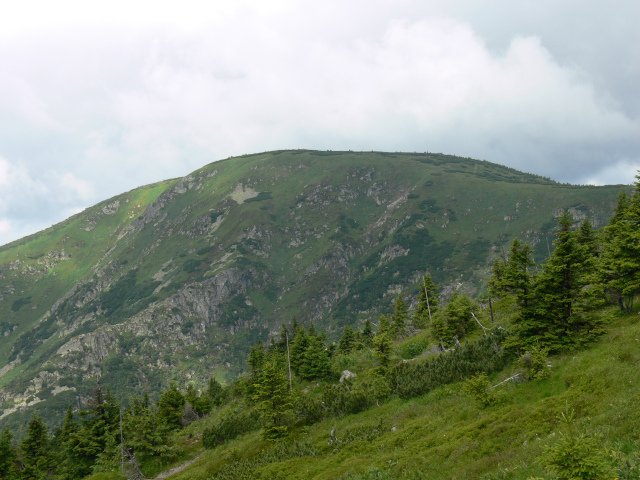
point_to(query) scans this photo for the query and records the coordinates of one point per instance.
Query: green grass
(316, 250)
(444, 434)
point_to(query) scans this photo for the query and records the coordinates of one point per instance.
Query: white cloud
(5, 227)
(95, 100)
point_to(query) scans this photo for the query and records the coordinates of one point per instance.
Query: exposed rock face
(178, 279)
(346, 375)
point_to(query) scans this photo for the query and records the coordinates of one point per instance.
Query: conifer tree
(99, 421)
(441, 330)
(201, 403)
(170, 407)
(514, 276)
(35, 447)
(496, 281)
(400, 318)
(216, 392)
(8, 469)
(427, 303)
(295, 327)
(274, 400)
(384, 326)
(558, 319)
(366, 336)
(586, 237)
(298, 349)
(146, 436)
(316, 360)
(348, 341)
(383, 347)
(458, 315)
(619, 265)
(256, 358)
(518, 279)
(67, 439)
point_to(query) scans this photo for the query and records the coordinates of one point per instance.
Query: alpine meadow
(305, 314)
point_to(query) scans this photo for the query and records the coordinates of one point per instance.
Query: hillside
(447, 433)
(178, 279)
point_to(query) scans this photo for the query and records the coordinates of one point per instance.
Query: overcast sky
(95, 101)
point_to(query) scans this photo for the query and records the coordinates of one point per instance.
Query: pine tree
(384, 326)
(619, 265)
(558, 318)
(38, 462)
(99, 421)
(441, 330)
(366, 336)
(298, 349)
(518, 279)
(316, 360)
(348, 341)
(216, 392)
(427, 303)
(458, 315)
(170, 407)
(256, 358)
(400, 318)
(67, 439)
(8, 469)
(496, 284)
(145, 435)
(274, 401)
(383, 347)
(514, 277)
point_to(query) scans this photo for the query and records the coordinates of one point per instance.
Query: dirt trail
(177, 469)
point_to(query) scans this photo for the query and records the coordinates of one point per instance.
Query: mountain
(178, 279)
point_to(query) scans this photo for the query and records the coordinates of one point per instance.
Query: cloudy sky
(95, 101)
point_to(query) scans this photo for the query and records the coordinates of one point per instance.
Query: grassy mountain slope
(447, 434)
(178, 279)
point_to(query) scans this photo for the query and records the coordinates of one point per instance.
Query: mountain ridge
(181, 276)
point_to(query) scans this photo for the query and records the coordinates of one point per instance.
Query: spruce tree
(366, 336)
(517, 277)
(216, 392)
(8, 468)
(514, 277)
(99, 421)
(170, 407)
(315, 364)
(458, 315)
(145, 435)
(348, 341)
(400, 318)
(496, 284)
(35, 447)
(441, 329)
(558, 318)
(274, 400)
(67, 439)
(619, 264)
(298, 349)
(384, 326)
(383, 347)
(427, 303)
(256, 358)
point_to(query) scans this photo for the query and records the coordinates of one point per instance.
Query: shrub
(485, 355)
(534, 363)
(477, 387)
(576, 455)
(230, 426)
